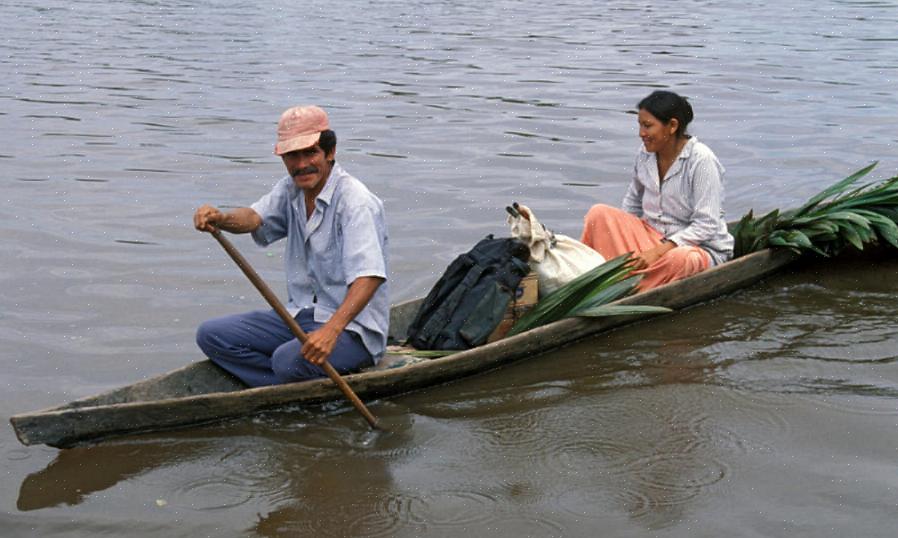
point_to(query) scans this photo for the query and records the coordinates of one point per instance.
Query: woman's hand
(647, 257)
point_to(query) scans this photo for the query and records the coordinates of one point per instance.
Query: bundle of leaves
(589, 295)
(841, 215)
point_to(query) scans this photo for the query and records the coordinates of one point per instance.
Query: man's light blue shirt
(345, 238)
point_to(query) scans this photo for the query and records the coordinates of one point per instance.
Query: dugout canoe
(201, 392)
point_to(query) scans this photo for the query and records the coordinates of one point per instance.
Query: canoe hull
(201, 392)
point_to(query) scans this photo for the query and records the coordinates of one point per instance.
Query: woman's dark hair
(327, 141)
(666, 106)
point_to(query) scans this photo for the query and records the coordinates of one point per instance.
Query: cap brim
(295, 143)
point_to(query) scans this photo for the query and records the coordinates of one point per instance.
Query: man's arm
(237, 221)
(321, 343)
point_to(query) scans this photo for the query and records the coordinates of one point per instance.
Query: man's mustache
(304, 171)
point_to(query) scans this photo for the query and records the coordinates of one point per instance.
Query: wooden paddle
(291, 323)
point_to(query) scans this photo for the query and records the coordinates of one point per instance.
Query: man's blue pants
(259, 348)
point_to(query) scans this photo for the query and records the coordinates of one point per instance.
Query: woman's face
(656, 134)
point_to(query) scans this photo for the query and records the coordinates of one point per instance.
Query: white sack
(557, 259)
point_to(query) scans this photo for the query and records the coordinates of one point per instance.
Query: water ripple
(452, 509)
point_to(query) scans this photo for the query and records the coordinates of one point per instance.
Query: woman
(672, 217)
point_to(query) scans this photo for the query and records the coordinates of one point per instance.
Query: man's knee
(289, 365)
(206, 335)
(214, 335)
(295, 369)
(282, 369)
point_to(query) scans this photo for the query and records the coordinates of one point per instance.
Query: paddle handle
(291, 323)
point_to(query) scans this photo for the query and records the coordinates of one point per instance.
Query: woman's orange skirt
(613, 232)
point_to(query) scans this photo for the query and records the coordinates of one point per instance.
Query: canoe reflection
(78, 472)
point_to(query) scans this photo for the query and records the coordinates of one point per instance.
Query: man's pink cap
(299, 128)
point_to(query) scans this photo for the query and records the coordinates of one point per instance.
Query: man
(336, 263)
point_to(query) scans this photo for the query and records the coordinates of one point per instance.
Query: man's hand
(207, 218)
(320, 344)
(237, 221)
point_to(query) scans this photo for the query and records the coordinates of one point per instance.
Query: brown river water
(771, 412)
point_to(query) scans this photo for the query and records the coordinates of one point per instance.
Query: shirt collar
(687, 149)
(327, 193)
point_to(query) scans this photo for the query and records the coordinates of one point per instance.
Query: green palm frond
(586, 295)
(621, 310)
(835, 189)
(841, 215)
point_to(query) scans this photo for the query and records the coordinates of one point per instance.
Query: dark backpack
(471, 297)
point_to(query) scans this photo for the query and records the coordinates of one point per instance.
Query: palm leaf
(834, 189)
(621, 310)
(607, 293)
(607, 282)
(890, 213)
(839, 216)
(850, 234)
(889, 232)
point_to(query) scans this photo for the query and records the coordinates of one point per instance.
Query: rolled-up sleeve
(364, 251)
(272, 209)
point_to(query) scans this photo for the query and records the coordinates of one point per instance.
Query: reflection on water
(770, 413)
(79, 472)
